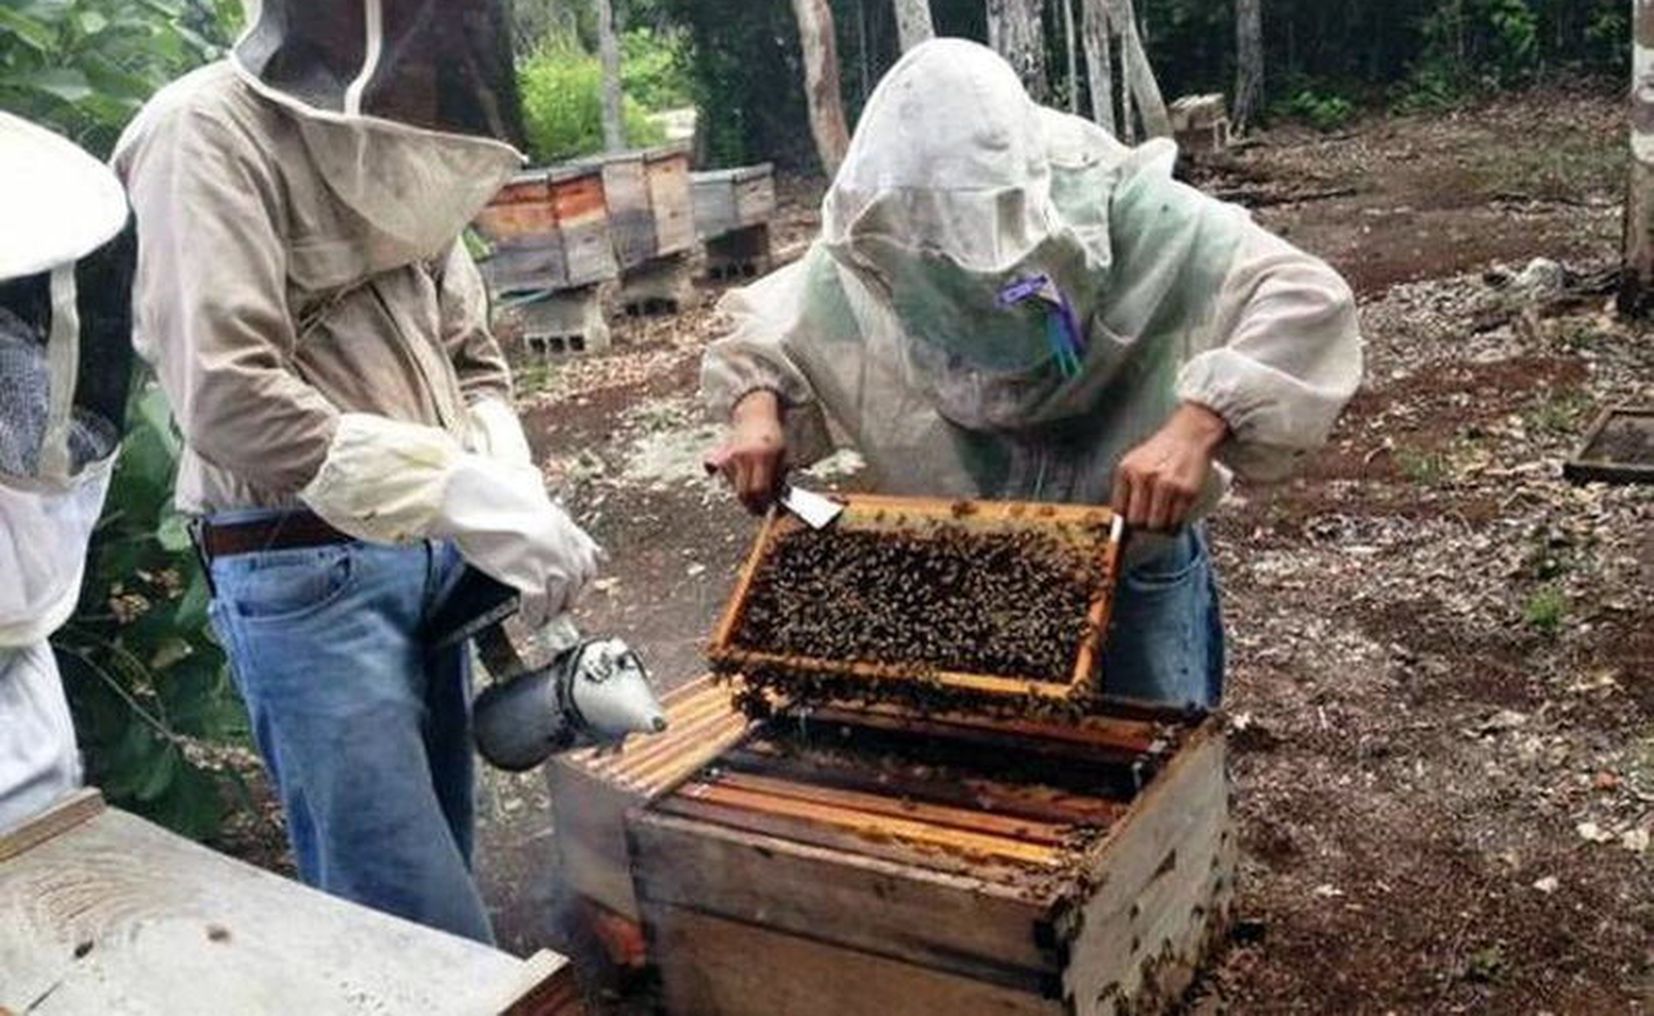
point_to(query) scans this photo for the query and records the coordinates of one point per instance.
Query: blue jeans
(365, 733)
(1166, 639)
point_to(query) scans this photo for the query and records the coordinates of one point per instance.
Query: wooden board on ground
(592, 790)
(1618, 448)
(827, 864)
(107, 913)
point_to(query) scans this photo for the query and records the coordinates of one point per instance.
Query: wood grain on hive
(649, 208)
(102, 912)
(728, 200)
(881, 863)
(1093, 531)
(592, 790)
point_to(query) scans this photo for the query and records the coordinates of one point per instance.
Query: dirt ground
(1441, 689)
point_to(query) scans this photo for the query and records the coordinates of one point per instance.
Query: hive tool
(593, 693)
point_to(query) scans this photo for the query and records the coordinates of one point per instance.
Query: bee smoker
(594, 692)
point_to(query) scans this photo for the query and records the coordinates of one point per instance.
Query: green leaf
(91, 22)
(36, 35)
(161, 774)
(65, 83)
(174, 532)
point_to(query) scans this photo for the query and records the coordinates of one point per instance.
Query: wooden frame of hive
(1094, 527)
(768, 884)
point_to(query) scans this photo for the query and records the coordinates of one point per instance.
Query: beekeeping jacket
(64, 359)
(1004, 300)
(299, 209)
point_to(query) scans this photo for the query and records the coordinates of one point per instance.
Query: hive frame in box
(869, 511)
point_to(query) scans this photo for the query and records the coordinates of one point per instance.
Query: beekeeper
(349, 440)
(1006, 302)
(65, 268)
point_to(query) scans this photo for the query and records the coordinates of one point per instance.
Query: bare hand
(1157, 483)
(750, 456)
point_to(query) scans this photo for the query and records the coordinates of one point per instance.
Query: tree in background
(822, 92)
(1016, 33)
(1249, 63)
(1637, 278)
(608, 53)
(913, 24)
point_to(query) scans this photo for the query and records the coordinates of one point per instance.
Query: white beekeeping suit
(296, 221)
(1005, 300)
(63, 379)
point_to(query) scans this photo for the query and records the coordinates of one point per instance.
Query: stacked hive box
(549, 230)
(891, 857)
(733, 208)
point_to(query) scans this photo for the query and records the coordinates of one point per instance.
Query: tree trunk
(1249, 91)
(1145, 91)
(1099, 63)
(1014, 31)
(1073, 48)
(1637, 276)
(608, 52)
(913, 24)
(821, 81)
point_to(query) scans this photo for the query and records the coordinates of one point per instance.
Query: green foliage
(1546, 610)
(561, 86)
(1323, 112)
(153, 703)
(655, 69)
(85, 66)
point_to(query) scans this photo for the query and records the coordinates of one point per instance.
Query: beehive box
(649, 204)
(549, 229)
(926, 600)
(728, 200)
(592, 790)
(877, 862)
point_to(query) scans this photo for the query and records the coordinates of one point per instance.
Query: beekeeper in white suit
(1006, 302)
(64, 357)
(349, 438)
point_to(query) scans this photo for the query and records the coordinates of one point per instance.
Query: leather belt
(287, 531)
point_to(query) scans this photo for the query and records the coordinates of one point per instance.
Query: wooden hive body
(772, 884)
(550, 230)
(649, 207)
(728, 200)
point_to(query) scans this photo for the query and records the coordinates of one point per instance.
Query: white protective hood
(408, 107)
(57, 205)
(902, 323)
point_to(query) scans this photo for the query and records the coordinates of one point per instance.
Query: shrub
(562, 88)
(1324, 112)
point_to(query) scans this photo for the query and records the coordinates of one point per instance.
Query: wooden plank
(592, 791)
(631, 222)
(1045, 804)
(1110, 733)
(848, 841)
(955, 923)
(754, 200)
(68, 812)
(670, 202)
(967, 819)
(119, 916)
(547, 989)
(870, 826)
(1138, 874)
(583, 220)
(714, 965)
